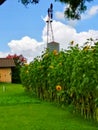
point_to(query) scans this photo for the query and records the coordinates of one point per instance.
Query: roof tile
(4, 62)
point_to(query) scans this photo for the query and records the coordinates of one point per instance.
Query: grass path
(18, 111)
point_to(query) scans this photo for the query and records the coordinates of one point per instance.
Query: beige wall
(5, 75)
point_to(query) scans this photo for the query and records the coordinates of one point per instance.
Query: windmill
(50, 35)
(51, 44)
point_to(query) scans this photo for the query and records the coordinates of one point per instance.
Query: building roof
(53, 42)
(5, 62)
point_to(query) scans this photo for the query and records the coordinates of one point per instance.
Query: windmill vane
(50, 11)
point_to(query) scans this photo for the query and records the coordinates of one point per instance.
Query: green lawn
(18, 111)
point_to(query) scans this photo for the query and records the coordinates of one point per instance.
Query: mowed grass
(18, 111)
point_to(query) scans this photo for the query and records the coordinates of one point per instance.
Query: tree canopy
(73, 10)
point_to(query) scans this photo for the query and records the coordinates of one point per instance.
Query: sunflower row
(68, 77)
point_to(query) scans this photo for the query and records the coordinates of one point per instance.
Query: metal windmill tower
(50, 36)
(51, 44)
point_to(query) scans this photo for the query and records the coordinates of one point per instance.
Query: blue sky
(23, 29)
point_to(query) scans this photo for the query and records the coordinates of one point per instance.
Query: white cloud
(93, 10)
(26, 46)
(2, 54)
(59, 15)
(82, 37)
(64, 34)
(90, 13)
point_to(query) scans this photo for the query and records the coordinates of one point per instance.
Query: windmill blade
(51, 6)
(51, 15)
(48, 12)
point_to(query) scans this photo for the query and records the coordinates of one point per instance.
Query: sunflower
(58, 87)
(55, 52)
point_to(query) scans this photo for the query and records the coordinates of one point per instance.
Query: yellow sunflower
(58, 87)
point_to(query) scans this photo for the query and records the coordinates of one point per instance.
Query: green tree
(73, 11)
(74, 8)
(19, 62)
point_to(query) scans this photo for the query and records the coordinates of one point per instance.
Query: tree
(73, 11)
(19, 62)
(25, 2)
(75, 8)
(2, 1)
